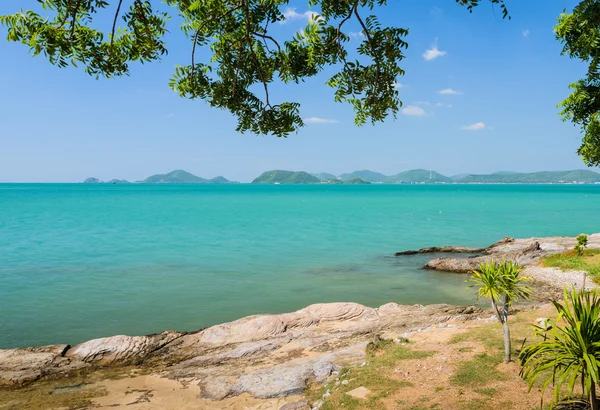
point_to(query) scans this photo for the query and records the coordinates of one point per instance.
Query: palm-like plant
(503, 285)
(571, 349)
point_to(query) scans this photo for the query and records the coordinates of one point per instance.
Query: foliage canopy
(579, 32)
(245, 57)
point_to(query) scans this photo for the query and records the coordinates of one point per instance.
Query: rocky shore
(263, 360)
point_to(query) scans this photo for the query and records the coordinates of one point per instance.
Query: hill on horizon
(180, 176)
(286, 177)
(365, 175)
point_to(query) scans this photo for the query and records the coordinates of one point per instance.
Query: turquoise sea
(84, 261)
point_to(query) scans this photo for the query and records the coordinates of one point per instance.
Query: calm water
(84, 261)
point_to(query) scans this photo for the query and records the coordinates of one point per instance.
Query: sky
(479, 95)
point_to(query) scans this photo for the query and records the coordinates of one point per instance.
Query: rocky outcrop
(525, 251)
(265, 356)
(443, 249)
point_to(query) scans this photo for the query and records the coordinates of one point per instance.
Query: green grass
(589, 262)
(479, 371)
(375, 376)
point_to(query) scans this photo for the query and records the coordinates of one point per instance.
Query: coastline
(273, 356)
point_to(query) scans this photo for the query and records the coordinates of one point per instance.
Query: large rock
(286, 379)
(269, 326)
(457, 265)
(121, 349)
(18, 366)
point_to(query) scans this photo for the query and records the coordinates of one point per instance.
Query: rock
(120, 349)
(19, 366)
(288, 379)
(457, 265)
(270, 326)
(359, 393)
(241, 351)
(443, 249)
(298, 405)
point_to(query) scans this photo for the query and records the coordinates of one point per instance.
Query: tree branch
(73, 21)
(198, 33)
(112, 37)
(337, 37)
(370, 40)
(264, 36)
(64, 20)
(256, 63)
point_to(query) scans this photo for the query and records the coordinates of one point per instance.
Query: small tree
(502, 284)
(571, 349)
(582, 241)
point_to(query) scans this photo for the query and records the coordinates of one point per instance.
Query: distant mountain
(323, 176)
(91, 180)
(353, 181)
(286, 177)
(365, 175)
(182, 177)
(418, 176)
(543, 177)
(118, 181)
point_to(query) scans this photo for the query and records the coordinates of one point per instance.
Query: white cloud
(414, 111)
(449, 91)
(317, 120)
(430, 104)
(525, 33)
(291, 14)
(433, 53)
(357, 34)
(478, 126)
(436, 10)
(397, 85)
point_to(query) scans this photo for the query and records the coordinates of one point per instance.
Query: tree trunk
(583, 286)
(506, 341)
(593, 398)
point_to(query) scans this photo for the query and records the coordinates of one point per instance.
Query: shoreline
(273, 356)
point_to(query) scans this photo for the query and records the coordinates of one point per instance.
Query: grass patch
(375, 376)
(486, 391)
(475, 404)
(589, 262)
(479, 371)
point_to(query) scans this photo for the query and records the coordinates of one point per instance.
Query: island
(286, 177)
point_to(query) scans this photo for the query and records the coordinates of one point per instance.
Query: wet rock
(443, 249)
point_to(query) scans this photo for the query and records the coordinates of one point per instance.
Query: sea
(82, 261)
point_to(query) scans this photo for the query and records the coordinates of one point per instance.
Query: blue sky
(479, 95)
